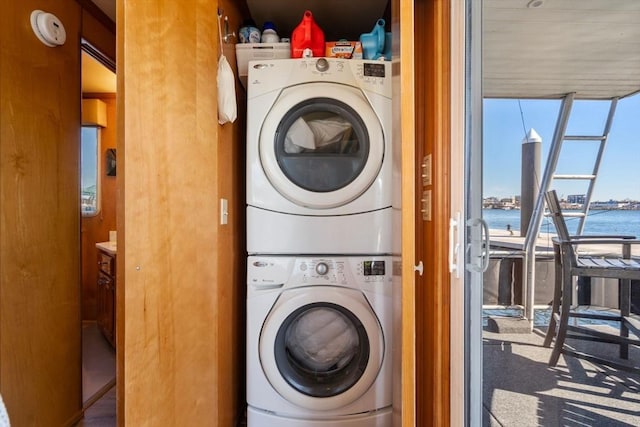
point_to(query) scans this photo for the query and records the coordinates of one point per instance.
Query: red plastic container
(307, 35)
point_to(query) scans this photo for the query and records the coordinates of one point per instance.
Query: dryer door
(321, 347)
(321, 144)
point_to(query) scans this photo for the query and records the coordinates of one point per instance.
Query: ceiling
(96, 78)
(108, 7)
(590, 47)
(531, 48)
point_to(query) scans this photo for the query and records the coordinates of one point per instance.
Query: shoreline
(591, 208)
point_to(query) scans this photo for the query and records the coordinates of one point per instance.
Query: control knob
(322, 268)
(322, 65)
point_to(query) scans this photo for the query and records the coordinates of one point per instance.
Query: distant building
(503, 203)
(576, 199)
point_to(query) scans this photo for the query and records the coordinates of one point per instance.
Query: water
(617, 222)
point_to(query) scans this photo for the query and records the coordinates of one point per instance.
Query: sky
(503, 133)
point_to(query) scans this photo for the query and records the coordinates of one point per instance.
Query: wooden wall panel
(96, 228)
(231, 278)
(405, 374)
(178, 311)
(40, 370)
(432, 131)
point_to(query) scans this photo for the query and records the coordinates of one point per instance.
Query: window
(89, 182)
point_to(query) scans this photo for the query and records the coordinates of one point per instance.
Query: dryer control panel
(265, 76)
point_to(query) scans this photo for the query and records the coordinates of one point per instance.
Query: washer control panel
(280, 271)
(322, 268)
(373, 268)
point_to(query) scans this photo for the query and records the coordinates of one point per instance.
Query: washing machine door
(321, 144)
(321, 347)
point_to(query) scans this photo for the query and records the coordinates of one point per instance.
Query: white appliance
(319, 341)
(319, 156)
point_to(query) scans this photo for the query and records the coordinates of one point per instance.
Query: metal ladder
(592, 177)
(549, 175)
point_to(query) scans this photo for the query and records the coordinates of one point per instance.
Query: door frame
(440, 41)
(467, 112)
(426, 122)
(458, 278)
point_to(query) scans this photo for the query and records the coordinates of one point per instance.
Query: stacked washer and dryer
(319, 224)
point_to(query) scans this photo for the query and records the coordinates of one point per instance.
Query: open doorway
(553, 73)
(98, 224)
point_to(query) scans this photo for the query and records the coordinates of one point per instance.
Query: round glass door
(321, 347)
(321, 145)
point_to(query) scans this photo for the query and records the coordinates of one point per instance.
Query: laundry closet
(183, 227)
(182, 255)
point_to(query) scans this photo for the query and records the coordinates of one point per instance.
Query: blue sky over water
(619, 176)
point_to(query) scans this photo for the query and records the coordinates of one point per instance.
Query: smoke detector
(48, 28)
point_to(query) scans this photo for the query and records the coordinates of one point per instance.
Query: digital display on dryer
(374, 268)
(373, 70)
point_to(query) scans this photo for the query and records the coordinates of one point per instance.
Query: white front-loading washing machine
(319, 334)
(319, 156)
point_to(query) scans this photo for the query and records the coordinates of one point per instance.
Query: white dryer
(319, 156)
(319, 341)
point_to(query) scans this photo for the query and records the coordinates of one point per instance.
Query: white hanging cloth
(227, 105)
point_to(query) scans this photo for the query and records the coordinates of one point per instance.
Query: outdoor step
(508, 325)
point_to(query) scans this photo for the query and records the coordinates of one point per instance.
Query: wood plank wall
(40, 370)
(231, 251)
(179, 308)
